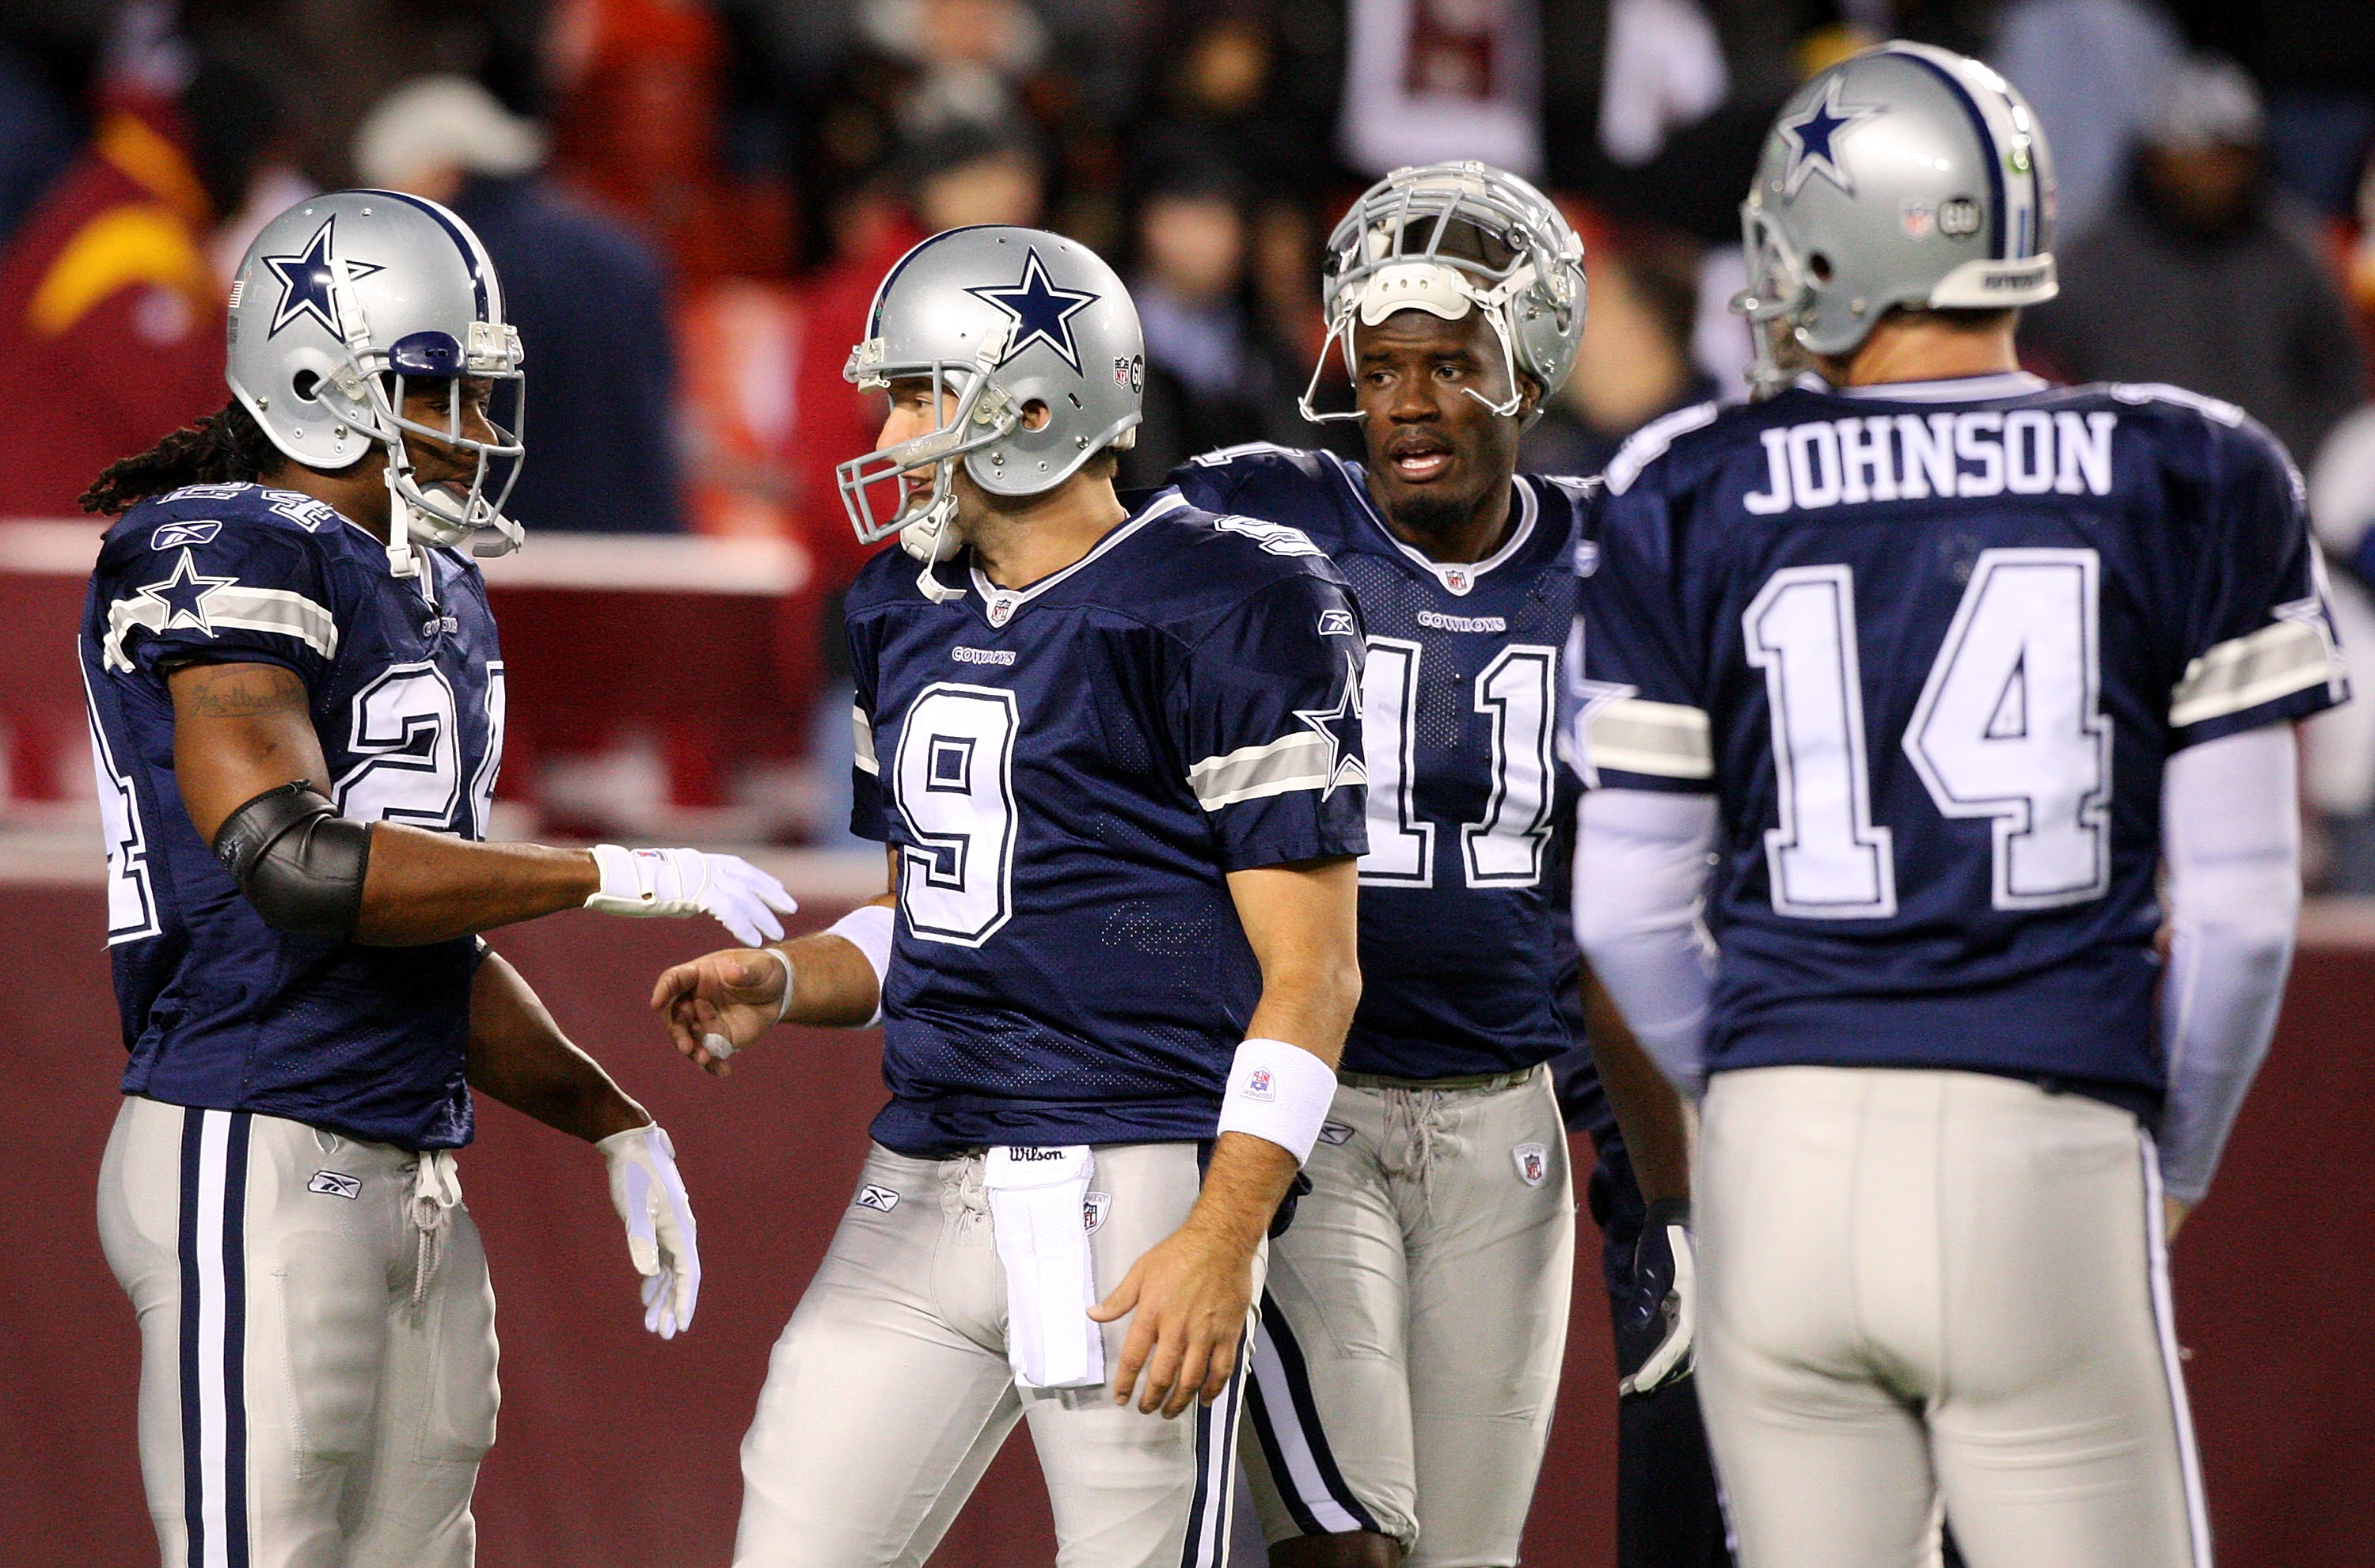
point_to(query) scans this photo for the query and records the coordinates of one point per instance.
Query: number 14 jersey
(1932, 645)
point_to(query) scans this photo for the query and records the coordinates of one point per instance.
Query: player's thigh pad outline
(1415, 1323)
(296, 1408)
(889, 1391)
(1927, 1288)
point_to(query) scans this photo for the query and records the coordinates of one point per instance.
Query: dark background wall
(618, 1451)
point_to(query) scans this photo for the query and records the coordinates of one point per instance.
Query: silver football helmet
(1446, 239)
(342, 301)
(1907, 175)
(997, 318)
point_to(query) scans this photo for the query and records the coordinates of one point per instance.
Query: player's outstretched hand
(745, 900)
(719, 1003)
(1190, 1292)
(649, 1196)
(1660, 1312)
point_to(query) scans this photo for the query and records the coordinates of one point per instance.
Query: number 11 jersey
(1932, 645)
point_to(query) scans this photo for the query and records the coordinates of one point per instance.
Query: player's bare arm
(1654, 1118)
(736, 995)
(1190, 1292)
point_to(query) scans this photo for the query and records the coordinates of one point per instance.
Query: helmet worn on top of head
(996, 318)
(342, 303)
(1446, 239)
(1906, 175)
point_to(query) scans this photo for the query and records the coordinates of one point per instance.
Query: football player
(1415, 1315)
(1116, 758)
(297, 712)
(1920, 672)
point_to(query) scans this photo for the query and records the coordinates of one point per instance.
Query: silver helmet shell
(997, 318)
(1446, 239)
(1907, 175)
(340, 303)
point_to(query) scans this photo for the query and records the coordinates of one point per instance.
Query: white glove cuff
(870, 929)
(1277, 1092)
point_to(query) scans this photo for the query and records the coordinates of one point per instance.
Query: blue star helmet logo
(1812, 134)
(1041, 312)
(306, 280)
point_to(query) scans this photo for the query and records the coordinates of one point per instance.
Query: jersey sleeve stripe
(1254, 772)
(2244, 672)
(1665, 741)
(233, 605)
(862, 732)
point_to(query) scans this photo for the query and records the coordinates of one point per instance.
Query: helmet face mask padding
(342, 302)
(1448, 238)
(994, 319)
(1906, 177)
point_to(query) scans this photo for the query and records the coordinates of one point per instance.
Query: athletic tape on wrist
(1277, 1092)
(784, 958)
(870, 929)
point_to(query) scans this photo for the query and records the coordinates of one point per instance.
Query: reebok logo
(1335, 1131)
(335, 1184)
(174, 535)
(882, 1200)
(1336, 623)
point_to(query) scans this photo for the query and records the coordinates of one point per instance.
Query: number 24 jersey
(1932, 645)
(220, 1009)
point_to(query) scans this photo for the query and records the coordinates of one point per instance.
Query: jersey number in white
(1518, 693)
(2009, 726)
(954, 777)
(404, 727)
(131, 901)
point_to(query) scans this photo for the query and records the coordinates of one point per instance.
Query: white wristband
(870, 929)
(786, 960)
(1277, 1092)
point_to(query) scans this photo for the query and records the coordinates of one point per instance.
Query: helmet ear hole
(1818, 265)
(305, 384)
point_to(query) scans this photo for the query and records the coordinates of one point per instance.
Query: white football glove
(745, 900)
(649, 1196)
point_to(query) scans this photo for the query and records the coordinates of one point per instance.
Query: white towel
(1039, 1214)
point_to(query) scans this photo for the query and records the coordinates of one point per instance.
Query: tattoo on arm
(242, 691)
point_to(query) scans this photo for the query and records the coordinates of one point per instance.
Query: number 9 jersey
(1932, 644)
(220, 1010)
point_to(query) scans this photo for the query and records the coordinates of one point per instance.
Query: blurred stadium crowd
(691, 200)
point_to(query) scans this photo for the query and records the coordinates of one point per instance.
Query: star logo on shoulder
(306, 281)
(1041, 312)
(1813, 135)
(1328, 723)
(183, 595)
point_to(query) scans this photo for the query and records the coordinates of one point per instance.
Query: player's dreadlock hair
(223, 448)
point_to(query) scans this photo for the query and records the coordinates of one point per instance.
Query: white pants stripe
(2197, 1506)
(1286, 1423)
(213, 1336)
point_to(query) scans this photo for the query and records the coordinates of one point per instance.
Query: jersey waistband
(1477, 1081)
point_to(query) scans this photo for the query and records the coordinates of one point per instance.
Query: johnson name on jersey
(1460, 906)
(1070, 771)
(1932, 645)
(220, 1009)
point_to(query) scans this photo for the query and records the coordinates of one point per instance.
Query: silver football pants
(1928, 1288)
(317, 1334)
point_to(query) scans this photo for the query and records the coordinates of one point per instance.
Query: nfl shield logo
(1533, 1162)
(998, 611)
(1092, 1210)
(1458, 580)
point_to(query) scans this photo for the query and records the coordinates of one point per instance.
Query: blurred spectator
(1635, 362)
(1207, 377)
(40, 133)
(112, 330)
(2094, 71)
(585, 294)
(638, 86)
(2197, 278)
(2316, 60)
(1427, 80)
(1666, 70)
(1258, 84)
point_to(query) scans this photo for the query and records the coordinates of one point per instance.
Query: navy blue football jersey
(1070, 771)
(220, 1009)
(1932, 645)
(1459, 901)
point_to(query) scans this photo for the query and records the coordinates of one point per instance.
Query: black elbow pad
(299, 862)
